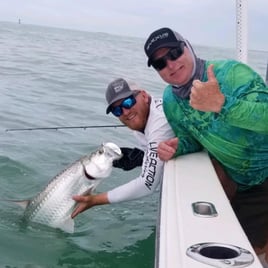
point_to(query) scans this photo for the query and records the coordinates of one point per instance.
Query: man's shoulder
(168, 94)
(222, 63)
(223, 68)
(156, 113)
(157, 102)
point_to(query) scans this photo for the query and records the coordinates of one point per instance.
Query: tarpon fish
(53, 206)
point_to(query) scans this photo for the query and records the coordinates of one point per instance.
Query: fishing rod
(63, 127)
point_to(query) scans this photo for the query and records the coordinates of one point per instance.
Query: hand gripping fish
(53, 206)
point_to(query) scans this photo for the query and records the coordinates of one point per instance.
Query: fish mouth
(88, 176)
(113, 148)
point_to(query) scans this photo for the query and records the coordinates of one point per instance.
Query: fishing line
(63, 127)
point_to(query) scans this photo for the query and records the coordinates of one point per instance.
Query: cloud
(205, 22)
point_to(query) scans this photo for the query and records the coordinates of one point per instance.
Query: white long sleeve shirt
(157, 129)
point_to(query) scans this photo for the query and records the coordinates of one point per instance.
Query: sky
(202, 22)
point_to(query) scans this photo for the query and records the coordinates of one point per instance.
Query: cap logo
(118, 87)
(156, 38)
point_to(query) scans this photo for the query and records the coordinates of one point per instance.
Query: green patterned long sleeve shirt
(237, 136)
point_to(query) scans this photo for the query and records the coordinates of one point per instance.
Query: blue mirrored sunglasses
(173, 54)
(127, 103)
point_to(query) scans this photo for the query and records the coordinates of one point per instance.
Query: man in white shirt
(143, 114)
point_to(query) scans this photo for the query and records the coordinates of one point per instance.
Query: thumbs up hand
(206, 96)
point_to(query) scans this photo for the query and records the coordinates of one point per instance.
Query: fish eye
(109, 154)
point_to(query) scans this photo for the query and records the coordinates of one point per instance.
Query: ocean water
(54, 77)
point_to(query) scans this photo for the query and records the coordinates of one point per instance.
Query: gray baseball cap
(117, 90)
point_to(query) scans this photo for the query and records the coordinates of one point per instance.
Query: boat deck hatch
(204, 209)
(220, 255)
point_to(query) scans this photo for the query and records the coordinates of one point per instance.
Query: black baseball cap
(163, 37)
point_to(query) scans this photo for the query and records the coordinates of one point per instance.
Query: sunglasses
(127, 103)
(173, 54)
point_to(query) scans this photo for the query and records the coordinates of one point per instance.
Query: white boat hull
(189, 179)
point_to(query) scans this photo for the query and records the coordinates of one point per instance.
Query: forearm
(100, 199)
(187, 145)
(145, 184)
(132, 190)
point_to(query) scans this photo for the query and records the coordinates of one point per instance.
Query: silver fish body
(53, 206)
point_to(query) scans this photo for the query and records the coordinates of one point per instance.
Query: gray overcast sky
(202, 22)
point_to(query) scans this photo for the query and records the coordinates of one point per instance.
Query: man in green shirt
(220, 106)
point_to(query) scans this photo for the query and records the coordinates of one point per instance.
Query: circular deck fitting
(220, 255)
